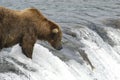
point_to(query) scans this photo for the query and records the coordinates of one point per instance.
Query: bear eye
(53, 35)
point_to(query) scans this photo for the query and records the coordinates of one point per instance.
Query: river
(91, 43)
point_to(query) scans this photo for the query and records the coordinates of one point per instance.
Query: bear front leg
(27, 45)
(27, 49)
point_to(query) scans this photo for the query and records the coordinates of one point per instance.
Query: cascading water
(91, 43)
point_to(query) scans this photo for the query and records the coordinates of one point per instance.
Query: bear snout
(59, 48)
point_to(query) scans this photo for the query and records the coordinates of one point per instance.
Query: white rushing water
(91, 43)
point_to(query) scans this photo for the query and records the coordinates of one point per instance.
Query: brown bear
(25, 27)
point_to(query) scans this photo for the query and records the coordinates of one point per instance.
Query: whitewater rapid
(91, 43)
(43, 66)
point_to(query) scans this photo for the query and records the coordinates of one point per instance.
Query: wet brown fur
(25, 27)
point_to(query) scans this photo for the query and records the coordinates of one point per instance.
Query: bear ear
(55, 30)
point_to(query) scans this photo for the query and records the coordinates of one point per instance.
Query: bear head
(55, 38)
